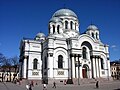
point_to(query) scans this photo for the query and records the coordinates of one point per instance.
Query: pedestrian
(44, 86)
(54, 85)
(30, 87)
(32, 83)
(97, 85)
(64, 82)
(27, 86)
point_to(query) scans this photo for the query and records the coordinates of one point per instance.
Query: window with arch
(45, 63)
(53, 28)
(60, 61)
(93, 35)
(102, 63)
(97, 36)
(49, 28)
(35, 62)
(75, 25)
(84, 53)
(66, 24)
(71, 24)
(58, 29)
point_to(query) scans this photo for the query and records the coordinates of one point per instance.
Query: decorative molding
(35, 73)
(60, 73)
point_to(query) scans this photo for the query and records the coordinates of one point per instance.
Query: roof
(64, 12)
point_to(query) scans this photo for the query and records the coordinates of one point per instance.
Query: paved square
(111, 85)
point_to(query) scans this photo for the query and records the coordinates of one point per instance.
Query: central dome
(64, 12)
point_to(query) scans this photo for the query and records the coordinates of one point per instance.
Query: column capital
(26, 57)
(95, 56)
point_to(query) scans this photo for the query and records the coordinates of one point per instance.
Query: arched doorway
(85, 71)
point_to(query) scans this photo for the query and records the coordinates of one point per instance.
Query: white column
(25, 67)
(94, 68)
(51, 29)
(81, 76)
(61, 30)
(108, 62)
(50, 66)
(69, 25)
(56, 29)
(97, 67)
(77, 68)
(73, 67)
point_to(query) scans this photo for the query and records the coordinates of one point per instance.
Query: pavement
(111, 85)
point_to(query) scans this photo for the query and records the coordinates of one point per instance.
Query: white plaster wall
(30, 66)
(63, 52)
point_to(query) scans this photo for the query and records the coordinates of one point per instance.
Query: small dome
(40, 35)
(55, 19)
(92, 27)
(64, 12)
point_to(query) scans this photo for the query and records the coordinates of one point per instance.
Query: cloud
(113, 46)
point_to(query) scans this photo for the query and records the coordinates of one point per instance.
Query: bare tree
(15, 63)
(15, 60)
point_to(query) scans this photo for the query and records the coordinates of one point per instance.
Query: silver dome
(40, 35)
(92, 27)
(64, 12)
(55, 19)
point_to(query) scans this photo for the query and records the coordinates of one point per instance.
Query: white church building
(65, 53)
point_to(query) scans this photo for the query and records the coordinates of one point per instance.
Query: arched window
(75, 26)
(97, 36)
(35, 62)
(102, 63)
(45, 63)
(49, 28)
(84, 52)
(71, 24)
(58, 29)
(53, 29)
(66, 24)
(60, 61)
(93, 35)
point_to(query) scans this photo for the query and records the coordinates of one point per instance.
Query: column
(56, 29)
(77, 68)
(24, 67)
(51, 29)
(97, 67)
(109, 74)
(94, 70)
(50, 65)
(73, 67)
(69, 25)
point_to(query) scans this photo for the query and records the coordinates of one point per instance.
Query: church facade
(65, 53)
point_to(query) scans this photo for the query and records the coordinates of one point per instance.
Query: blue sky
(26, 18)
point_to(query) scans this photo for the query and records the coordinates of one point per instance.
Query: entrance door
(85, 71)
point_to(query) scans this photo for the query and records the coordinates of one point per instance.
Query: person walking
(44, 86)
(27, 87)
(54, 85)
(97, 84)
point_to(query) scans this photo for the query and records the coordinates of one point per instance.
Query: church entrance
(85, 71)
